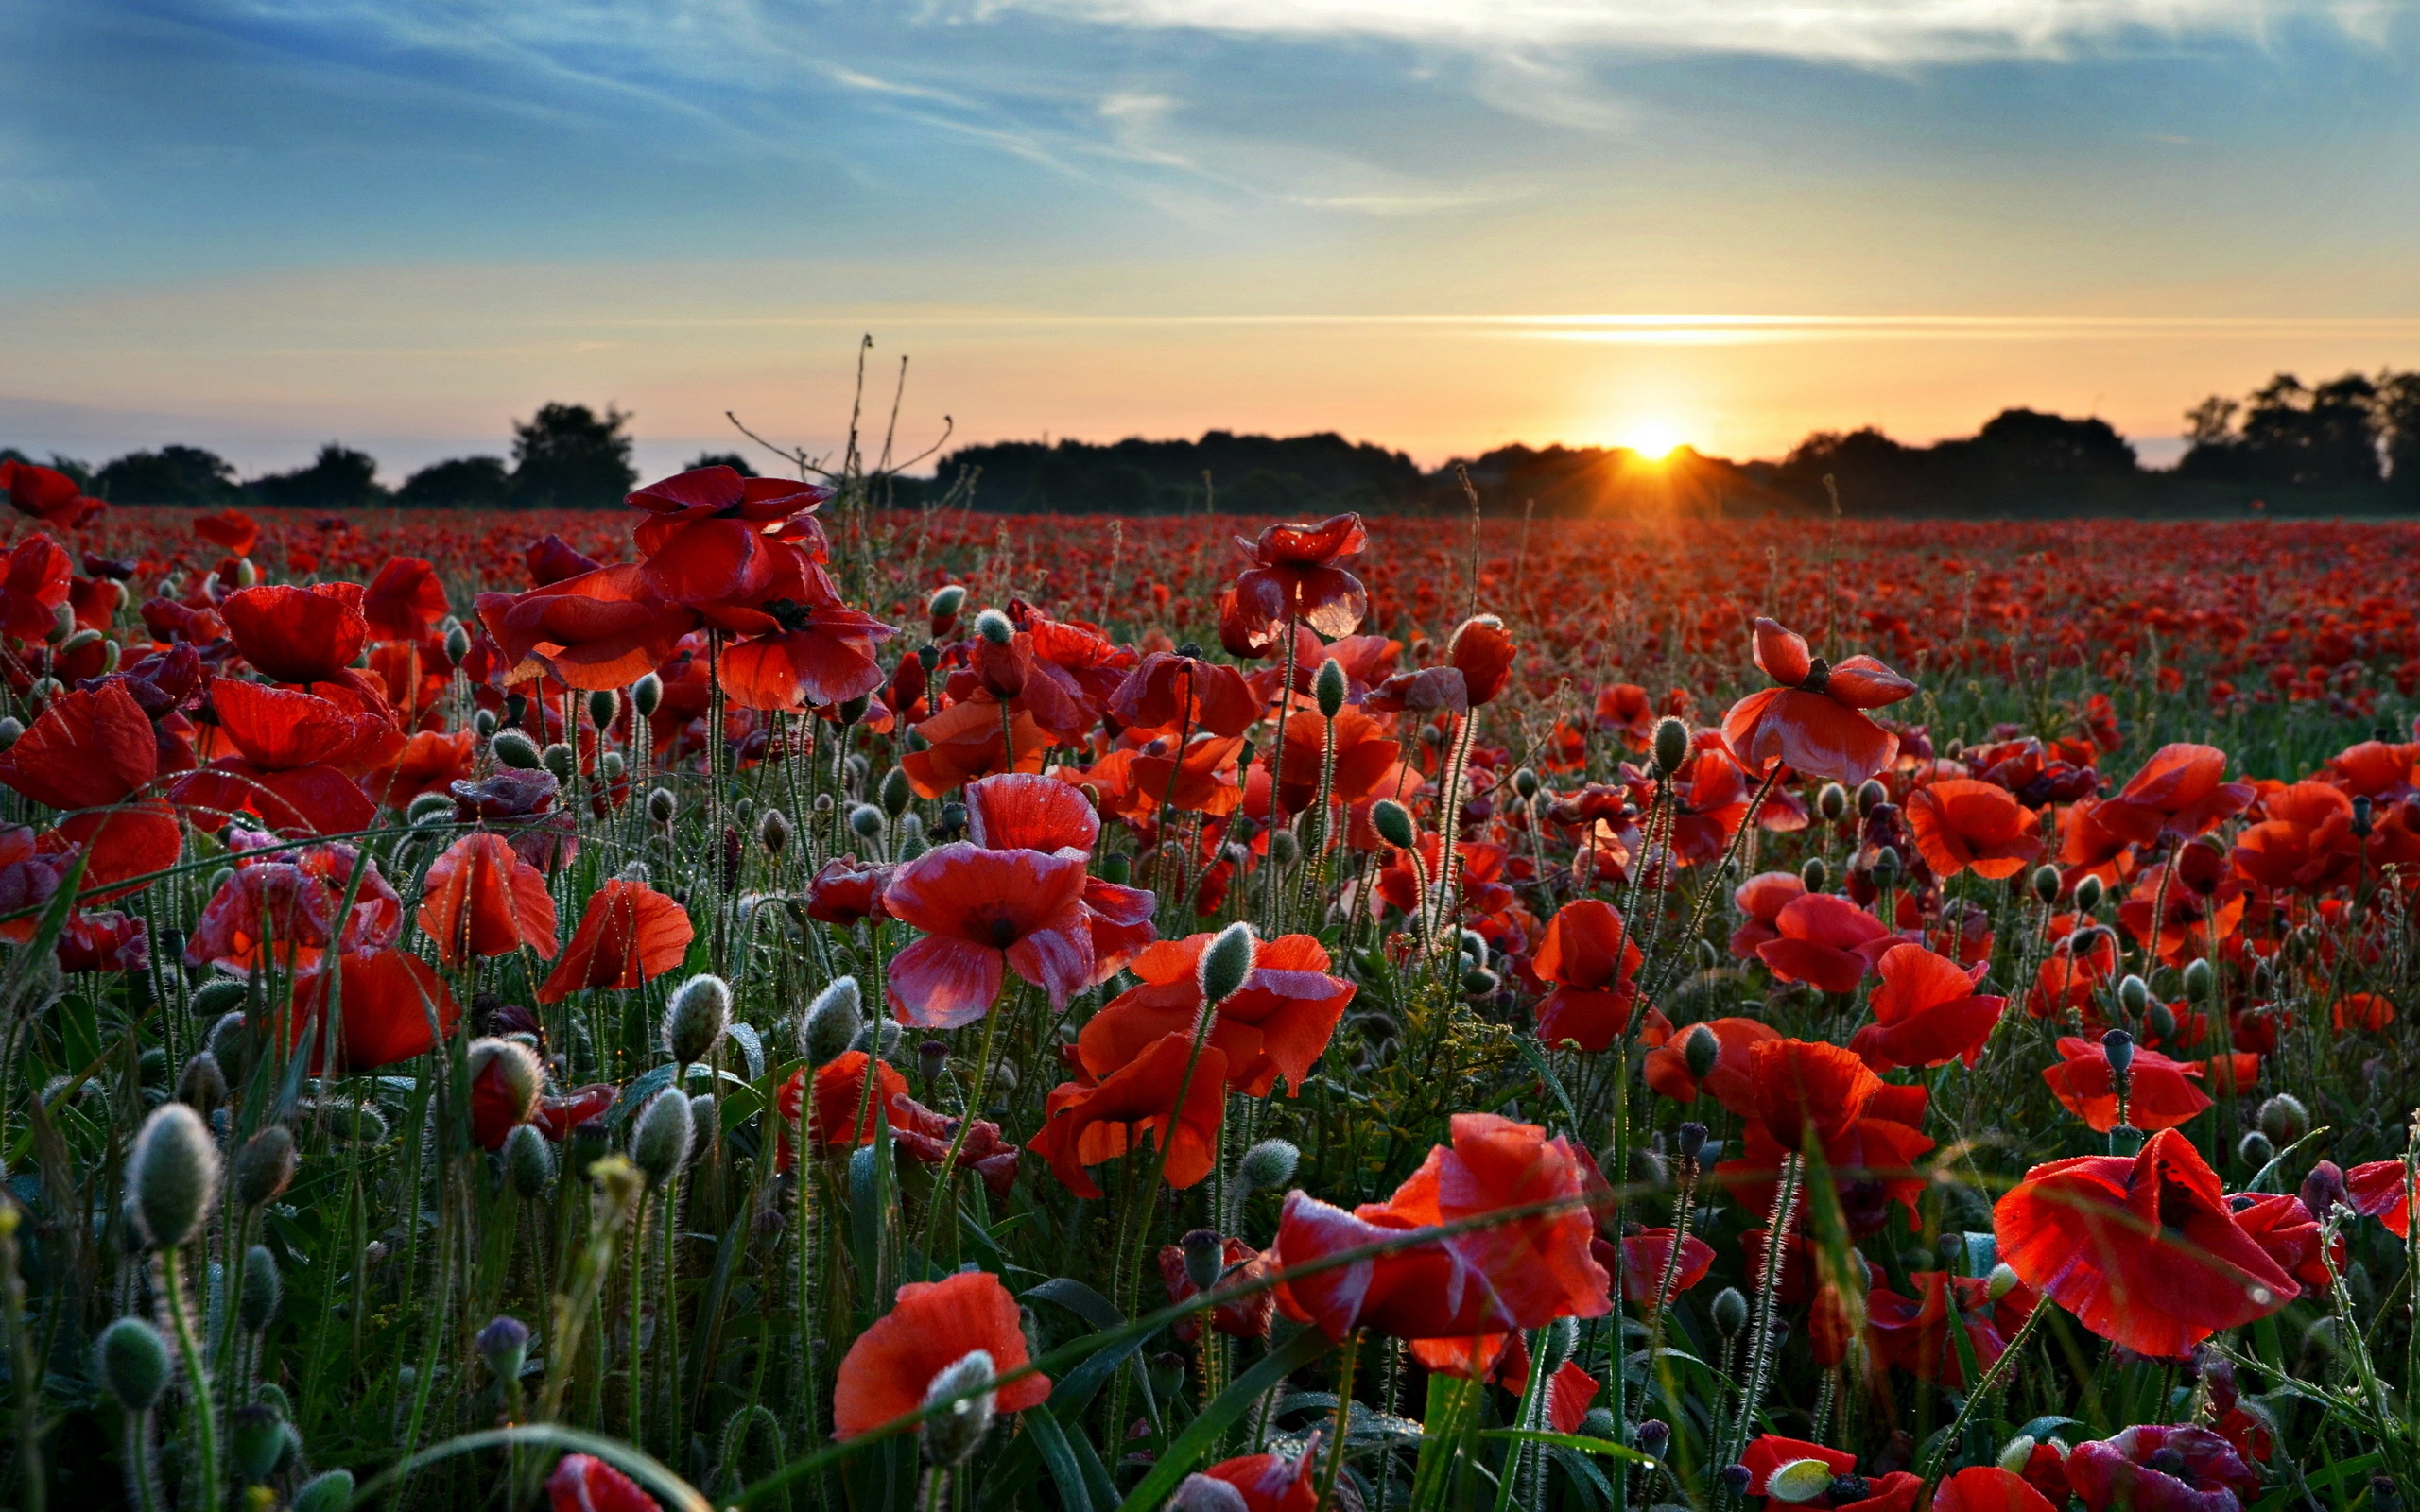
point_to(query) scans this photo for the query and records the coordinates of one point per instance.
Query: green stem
(204, 1415)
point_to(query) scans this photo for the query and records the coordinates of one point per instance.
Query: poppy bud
(429, 809)
(1393, 823)
(946, 603)
(201, 1086)
(504, 1344)
(11, 729)
(77, 642)
(604, 707)
(952, 1434)
(695, 1020)
(994, 626)
(1284, 849)
(2159, 1020)
(647, 695)
(2002, 1280)
(1700, 1050)
(2120, 1047)
(1886, 866)
(173, 1174)
(2256, 1151)
(2197, 978)
(662, 806)
(1730, 1310)
(1479, 981)
(264, 1166)
(660, 1137)
(1269, 1165)
(2134, 995)
(880, 1038)
(44, 691)
(773, 832)
(1815, 873)
(230, 1043)
(1328, 686)
(895, 793)
(2088, 895)
(514, 748)
(1832, 803)
(483, 722)
(950, 822)
(529, 1162)
(2016, 1453)
(852, 710)
(62, 624)
(1524, 783)
(458, 644)
(1116, 866)
(1243, 764)
(560, 759)
(1671, 745)
(2284, 1118)
(1736, 1478)
(1870, 793)
(257, 1441)
(866, 821)
(328, 1491)
(1205, 1257)
(1225, 962)
(132, 1361)
(264, 1288)
(1691, 1142)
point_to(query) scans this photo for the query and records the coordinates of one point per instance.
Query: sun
(1651, 437)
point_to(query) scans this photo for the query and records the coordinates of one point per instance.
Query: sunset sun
(1651, 437)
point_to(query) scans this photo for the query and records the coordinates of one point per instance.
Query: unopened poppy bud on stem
(2197, 978)
(866, 821)
(1226, 962)
(1800, 1481)
(1393, 823)
(1832, 803)
(173, 1174)
(1869, 794)
(896, 793)
(773, 832)
(529, 1161)
(561, 760)
(953, 1434)
(662, 806)
(1886, 866)
(1269, 1165)
(1671, 745)
(264, 1166)
(832, 1021)
(2017, 1453)
(1329, 685)
(2159, 1020)
(202, 1084)
(2255, 1149)
(2134, 995)
(133, 1362)
(328, 1491)
(513, 1069)
(1701, 1050)
(994, 626)
(1524, 783)
(946, 601)
(458, 644)
(661, 1136)
(2284, 1118)
(514, 748)
(2088, 894)
(264, 1289)
(1730, 1310)
(647, 695)
(1816, 874)
(697, 1017)
(504, 1344)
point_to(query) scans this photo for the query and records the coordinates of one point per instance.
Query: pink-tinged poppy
(1256, 1482)
(404, 600)
(2181, 792)
(583, 1482)
(1760, 901)
(480, 899)
(846, 893)
(1815, 722)
(1087, 1123)
(298, 634)
(1912, 1334)
(2159, 1467)
(1277, 1024)
(1182, 696)
(2376, 1189)
(1926, 1011)
(392, 1003)
(2161, 1093)
(285, 908)
(741, 505)
(1569, 1391)
(1990, 1488)
(88, 749)
(1247, 1317)
(47, 494)
(1647, 1253)
(845, 1113)
(1590, 958)
(931, 1327)
(1667, 1067)
(2141, 1248)
(1826, 942)
(927, 1137)
(1960, 825)
(1767, 1452)
(628, 935)
(1519, 1274)
(1295, 575)
(985, 913)
(37, 578)
(103, 939)
(601, 630)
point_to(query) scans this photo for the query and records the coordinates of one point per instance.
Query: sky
(1440, 225)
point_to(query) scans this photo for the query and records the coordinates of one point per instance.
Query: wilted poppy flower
(2141, 1248)
(2180, 792)
(1961, 824)
(2159, 1467)
(47, 494)
(1646, 1254)
(583, 1482)
(1522, 1273)
(1294, 575)
(1255, 1483)
(1666, 1067)
(1815, 722)
(389, 999)
(1087, 1124)
(932, 1326)
(844, 1113)
(298, 634)
(927, 1137)
(628, 935)
(983, 913)
(2161, 1093)
(1926, 1011)
(480, 899)
(1826, 941)
(1247, 1317)
(1989, 1489)
(1913, 1333)
(37, 578)
(1275, 1024)
(88, 749)
(1589, 957)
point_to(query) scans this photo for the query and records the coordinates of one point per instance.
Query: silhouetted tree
(340, 478)
(172, 475)
(458, 483)
(2398, 415)
(2289, 433)
(567, 456)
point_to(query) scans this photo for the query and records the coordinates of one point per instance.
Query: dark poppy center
(2176, 1209)
(789, 612)
(1819, 673)
(2169, 1462)
(1002, 930)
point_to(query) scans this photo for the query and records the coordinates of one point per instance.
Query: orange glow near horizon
(1651, 437)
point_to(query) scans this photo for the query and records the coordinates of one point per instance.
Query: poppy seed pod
(2362, 817)
(951, 1435)
(514, 748)
(264, 1166)
(932, 1058)
(2197, 978)
(1736, 1478)
(1651, 1437)
(2088, 890)
(1328, 686)
(1269, 1165)
(895, 793)
(561, 760)
(660, 1137)
(832, 1021)
(132, 1361)
(1729, 1310)
(173, 1174)
(697, 1017)
(662, 806)
(1206, 1257)
(604, 707)
(773, 832)
(2284, 1118)
(529, 1162)
(994, 626)
(201, 1086)
(2120, 1047)
(1815, 873)
(1691, 1142)
(264, 1288)
(1700, 1050)
(1225, 962)
(1393, 823)
(1886, 866)
(503, 1345)
(1671, 745)
(2255, 1150)
(2047, 882)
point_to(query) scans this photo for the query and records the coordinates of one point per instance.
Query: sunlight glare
(1651, 438)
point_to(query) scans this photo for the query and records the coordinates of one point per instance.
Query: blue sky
(259, 224)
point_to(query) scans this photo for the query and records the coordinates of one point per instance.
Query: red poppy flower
(628, 935)
(552, 559)
(1589, 955)
(88, 749)
(103, 939)
(1087, 1124)
(839, 1096)
(47, 494)
(1913, 1333)
(1667, 1067)
(1826, 941)
(404, 600)
(1483, 652)
(601, 630)
(298, 634)
(966, 743)
(2141, 1249)
(2372, 1011)
(1760, 901)
(2282, 1225)
(1815, 722)
(1519, 1274)
(389, 998)
(1569, 1391)
(231, 528)
(2161, 1093)
(1796, 1085)
(805, 647)
(745, 506)
(928, 1136)
(480, 899)
(1369, 763)
(2376, 1189)
(932, 1326)
(2180, 792)
(1767, 1452)
(1927, 1011)
(1646, 1253)
(1203, 781)
(582, 1483)
(1294, 575)
(431, 760)
(1257, 1483)
(2156, 1467)
(556, 1116)
(505, 1083)
(1960, 824)
(1625, 708)
(38, 578)
(1245, 1319)
(845, 893)
(1183, 696)
(288, 906)
(983, 913)
(293, 749)
(1989, 1489)
(1276, 1024)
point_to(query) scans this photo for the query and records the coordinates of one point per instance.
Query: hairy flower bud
(561, 760)
(514, 748)
(264, 1288)
(661, 1136)
(1225, 962)
(256, 1440)
(132, 1362)
(1800, 1481)
(1701, 1050)
(1869, 794)
(513, 1069)
(429, 808)
(1671, 745)
(2088, 894)
(2159, 1022)
(604, 707)
(1815, 873)
(994, 626)
(328, 1491)
(2134, 995)
(201, 1086)
(529, 1161)
(2284, 1118)
(832, 1021)
(1284, 849)
(697, 1017)
(173, 1174)
(773, 832)
(662, 806)
(895, 793)
(1393, 823)
(866, 821)
(2199, 979)
(952, 1435)
(947, 602)
(1832, 803)
(1269, 1165)
(2016, 1453)
(2254, 1150)
(1886, 866)
(1328, 687)
(1730, 1310)
(264, 1166)
(647, 695)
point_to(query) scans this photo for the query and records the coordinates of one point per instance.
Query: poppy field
(765, 1000)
